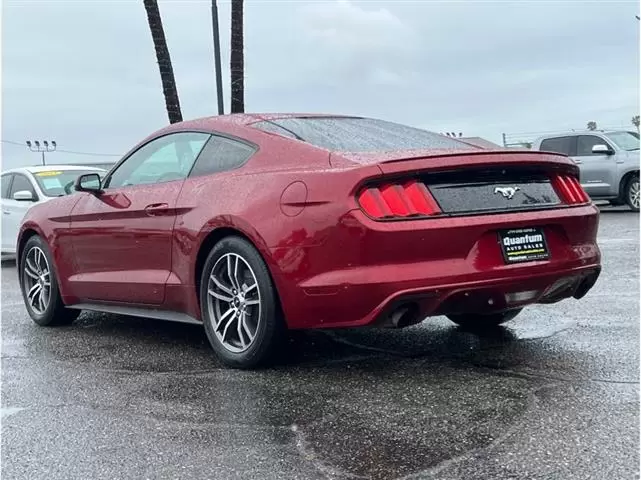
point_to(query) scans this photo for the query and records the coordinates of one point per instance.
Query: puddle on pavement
(7, 411)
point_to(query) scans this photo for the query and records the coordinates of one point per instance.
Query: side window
(564, 145)
(586, 142)
(164, 159)
(20, 182)
(221, 154)
(6, 183)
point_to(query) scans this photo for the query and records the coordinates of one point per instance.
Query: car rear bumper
(408, 307)
(381, 274)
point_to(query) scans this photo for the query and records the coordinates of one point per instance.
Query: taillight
(570, 190)
(398, 200)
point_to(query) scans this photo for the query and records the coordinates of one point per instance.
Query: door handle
(156, 209)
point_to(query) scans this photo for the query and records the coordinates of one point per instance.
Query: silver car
(608, 161)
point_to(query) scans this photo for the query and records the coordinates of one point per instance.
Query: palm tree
(237, 62)
(164, 61)
(635, 122)
(591, 125)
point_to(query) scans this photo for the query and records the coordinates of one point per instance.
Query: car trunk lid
(475, 182)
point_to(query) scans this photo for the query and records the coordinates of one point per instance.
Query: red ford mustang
(252, 224)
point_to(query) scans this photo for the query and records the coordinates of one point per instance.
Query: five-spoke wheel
(239, 304)
(233, 302)
(37, 280)
(39, 285)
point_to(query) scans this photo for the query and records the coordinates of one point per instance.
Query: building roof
(480, 142)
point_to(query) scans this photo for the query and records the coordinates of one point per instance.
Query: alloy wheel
(634, 193)
(233, 302)
(37, 280)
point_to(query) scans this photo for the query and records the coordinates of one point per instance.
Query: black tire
(269, 330)
(631, 192)
(477, 321)
(55, 312)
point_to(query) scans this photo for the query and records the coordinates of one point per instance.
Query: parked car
(252, 224)
(608, 162)
(25, 187)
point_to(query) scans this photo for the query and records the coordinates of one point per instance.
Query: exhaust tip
(404, 315)
(586, 285)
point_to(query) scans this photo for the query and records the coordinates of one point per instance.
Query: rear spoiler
(442, 159)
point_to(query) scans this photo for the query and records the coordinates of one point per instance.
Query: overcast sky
(84, 72)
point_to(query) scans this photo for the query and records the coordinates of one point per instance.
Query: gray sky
(84, 72)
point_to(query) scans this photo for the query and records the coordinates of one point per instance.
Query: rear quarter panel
(284, 198)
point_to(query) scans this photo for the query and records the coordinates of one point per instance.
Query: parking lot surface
(554, 395)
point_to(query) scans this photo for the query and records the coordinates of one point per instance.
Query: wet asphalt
(554, 395)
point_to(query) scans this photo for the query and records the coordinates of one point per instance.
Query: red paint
(332, 264)
(292, 201)
(122, 243)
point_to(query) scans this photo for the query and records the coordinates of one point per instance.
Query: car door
(122, 236)
(13, 211)
(598, 170)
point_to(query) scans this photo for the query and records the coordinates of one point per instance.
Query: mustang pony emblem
(507, 192)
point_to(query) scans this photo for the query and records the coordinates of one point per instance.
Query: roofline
(50, 167)
(280, 116)
(566, 133)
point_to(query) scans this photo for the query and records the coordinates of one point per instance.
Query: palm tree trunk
(164, 61)
(237, 62)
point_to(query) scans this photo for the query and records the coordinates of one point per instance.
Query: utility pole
(219, 76)
(46, 146)
(236, 58)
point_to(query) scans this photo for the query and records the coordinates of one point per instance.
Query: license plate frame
(520, 245)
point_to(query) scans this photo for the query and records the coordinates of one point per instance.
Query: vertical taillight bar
(569, 189)
(398, 200)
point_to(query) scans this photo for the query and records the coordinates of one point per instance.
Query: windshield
(56, 183)
(625, 140)
(361, 135)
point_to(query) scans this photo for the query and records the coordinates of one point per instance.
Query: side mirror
(89, 182)
(602, 149)
(24, 196)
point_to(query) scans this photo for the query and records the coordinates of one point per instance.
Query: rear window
(360, 135)
(56, 183)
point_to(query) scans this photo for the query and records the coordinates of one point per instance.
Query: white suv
(608, 161)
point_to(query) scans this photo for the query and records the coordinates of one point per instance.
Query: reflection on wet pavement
(554, 394)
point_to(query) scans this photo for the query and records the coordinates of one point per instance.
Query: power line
(73, 152)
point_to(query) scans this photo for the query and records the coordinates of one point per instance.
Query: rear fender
(626, 172)
(238, 224)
